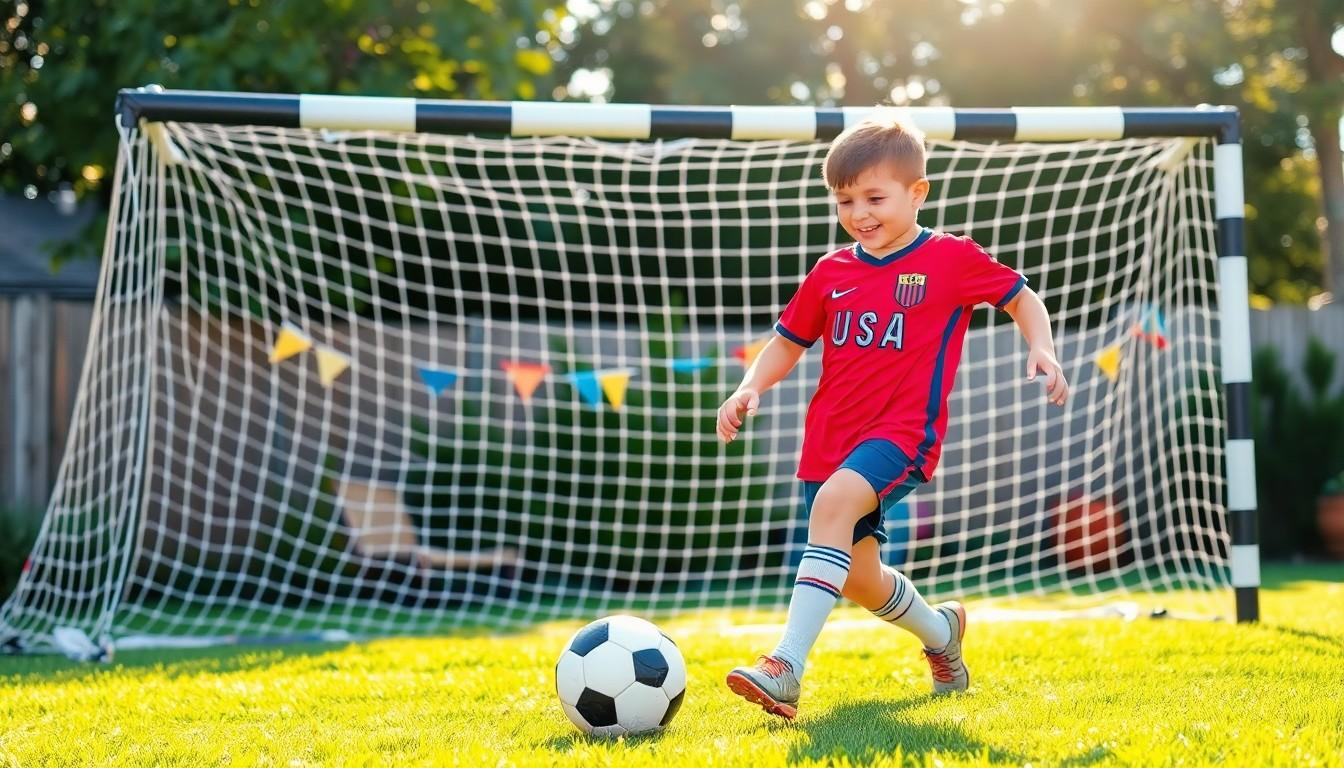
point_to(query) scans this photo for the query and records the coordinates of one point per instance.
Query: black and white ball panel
(620, 675)
(597, 709)
(589, 638)
(650, 666)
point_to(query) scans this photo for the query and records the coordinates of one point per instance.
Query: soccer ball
(620, 675)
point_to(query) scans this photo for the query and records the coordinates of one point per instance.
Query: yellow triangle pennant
(1108, 360)
(614, 384)
(289, 343)
(526, 377)
(330, 365)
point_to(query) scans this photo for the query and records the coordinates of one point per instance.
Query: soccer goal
(393, 365)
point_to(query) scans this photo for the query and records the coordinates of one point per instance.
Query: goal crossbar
(650, 121)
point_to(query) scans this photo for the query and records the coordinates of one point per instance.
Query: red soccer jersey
(893, 328)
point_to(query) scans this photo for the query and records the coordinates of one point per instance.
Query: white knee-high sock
(907, 610)
(821, 576)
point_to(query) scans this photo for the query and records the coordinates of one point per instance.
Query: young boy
(892, 310)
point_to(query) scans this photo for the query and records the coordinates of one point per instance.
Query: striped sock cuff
(827, 554)
(902, 597)
(823, 568)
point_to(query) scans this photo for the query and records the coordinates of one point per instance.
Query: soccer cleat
(770, 684)
(949, 670)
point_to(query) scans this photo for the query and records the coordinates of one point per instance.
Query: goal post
(386, 365)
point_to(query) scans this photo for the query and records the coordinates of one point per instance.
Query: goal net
(386, 381)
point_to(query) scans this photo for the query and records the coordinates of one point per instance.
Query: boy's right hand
(740, 403)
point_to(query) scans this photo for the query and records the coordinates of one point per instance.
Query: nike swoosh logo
(837, 294)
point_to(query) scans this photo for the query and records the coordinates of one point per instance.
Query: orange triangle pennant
(526, 377)
(747, 354)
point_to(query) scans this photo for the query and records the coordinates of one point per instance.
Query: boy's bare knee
(845, 497)
(826, 515)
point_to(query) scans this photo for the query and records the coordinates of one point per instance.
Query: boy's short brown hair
(876, 140)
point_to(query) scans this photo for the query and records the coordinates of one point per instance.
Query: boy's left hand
(1043, 361)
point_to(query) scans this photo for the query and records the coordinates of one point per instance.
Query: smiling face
(878, 209)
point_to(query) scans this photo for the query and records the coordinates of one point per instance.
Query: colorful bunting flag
(587, 385)
(1108, 360)
(592, 385)
(290, 342)
(691, 364)
(1152, 326)
(614, 384)
(747, 353)
(438, 381)
(330, 365)
(526, 377)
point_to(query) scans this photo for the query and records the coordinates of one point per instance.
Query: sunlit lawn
(1091, 692)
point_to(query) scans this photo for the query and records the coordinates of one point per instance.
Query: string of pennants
(526, 377)
(1151, 327)
(612, 384)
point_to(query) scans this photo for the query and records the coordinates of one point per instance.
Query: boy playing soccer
(893, 310)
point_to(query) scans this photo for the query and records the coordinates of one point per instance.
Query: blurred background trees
(1277, 60)
(62, 61)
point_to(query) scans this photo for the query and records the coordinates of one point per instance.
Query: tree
(1273, 59)
(756, 51)
(62, 62)
(1248, 53)
(1297, 35)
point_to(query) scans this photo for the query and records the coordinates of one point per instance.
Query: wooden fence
(42, 342)
(1288, 328)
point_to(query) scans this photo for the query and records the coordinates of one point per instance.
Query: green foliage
(1285, 244)
(1259, 56)
(18, 532)
(1298, 446)
(1255, 56)
(68, 59)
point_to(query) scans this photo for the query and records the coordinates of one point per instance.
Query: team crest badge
(910, 289)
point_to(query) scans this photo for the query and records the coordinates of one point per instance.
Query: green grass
(1076, 693)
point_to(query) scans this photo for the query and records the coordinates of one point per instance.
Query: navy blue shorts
(887, 469)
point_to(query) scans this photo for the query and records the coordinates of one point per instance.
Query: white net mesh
(398, 382)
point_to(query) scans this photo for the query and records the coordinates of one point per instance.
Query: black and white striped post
(1235, 325)
(645, 121)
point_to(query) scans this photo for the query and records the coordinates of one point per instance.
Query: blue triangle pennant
(438, 381)
(590, 389)
(691, 364)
